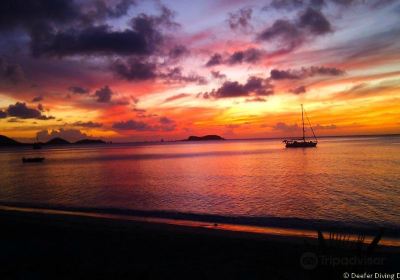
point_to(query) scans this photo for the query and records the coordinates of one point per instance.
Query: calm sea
(347, 180)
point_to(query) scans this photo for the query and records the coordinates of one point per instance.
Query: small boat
(302, 143)
(33, 159)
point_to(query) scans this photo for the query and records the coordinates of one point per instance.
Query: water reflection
(353, 180)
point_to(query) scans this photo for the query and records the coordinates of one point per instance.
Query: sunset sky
(125, 70)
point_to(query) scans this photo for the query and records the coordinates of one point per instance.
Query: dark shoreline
(41, 246)
(391, 231)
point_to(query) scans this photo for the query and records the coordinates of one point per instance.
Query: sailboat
(302, 143)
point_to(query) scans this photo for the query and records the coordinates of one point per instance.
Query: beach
(37, 245)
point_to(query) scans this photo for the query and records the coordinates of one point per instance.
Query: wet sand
(35, 245)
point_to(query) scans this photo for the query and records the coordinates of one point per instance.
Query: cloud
(143, 37)
(253, 87)
(256, 99)
(40, 107)
(20, 110)
(304, 72)
(132, 125)
(285, 127)
(165, 120)
(291, 34)
(315, 22)
(88, 124)
(298, 90)
(318, 4)
(71, 135)
(104, 94)
(78, 90)
(3, 114)
(134, 69)
(175, 75)
(176, 97)
(215, 59)
(285, 31)
(163, 124)
(11, 72)
(111, 9)
(37, 99)
(25, 13)
(240, 19)
(218, 75)
(250, 55)
(286, 4)
(319, 127)
(178, 51)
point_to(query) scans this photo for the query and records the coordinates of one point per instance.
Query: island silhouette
(6, 141)
(204, 138)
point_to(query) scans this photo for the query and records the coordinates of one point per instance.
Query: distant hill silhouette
(90, 141)
(205, 138)
(57, 141)
(5, 141)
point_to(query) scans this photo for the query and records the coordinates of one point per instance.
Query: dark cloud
(283, 74)
(292, 34)
(240, 19)
(250, 55)
(175, 75)
(287, 4)
(298, 90)
(317, 4)
(71, 135)
(215, 59)
(95, 40)
(253, 87)
(143, 37)
(10, 72)
(166, 124)
(110, 9)
(303, 73)
(88, 124)
(20, 110)
(285, 31)
(256, 99)
(178, 51)
(37, 99)
(104, 94)
(218, 75)
(176, 97)
(315, 22)
(40, 107)
(135, 69)
(163, 124)
(78, 90)
(3, 114)
(132, 125)
(165, 120)
(25, 13)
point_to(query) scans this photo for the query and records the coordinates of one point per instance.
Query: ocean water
(346, 180)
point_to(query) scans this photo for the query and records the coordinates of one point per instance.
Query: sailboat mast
(302, 118)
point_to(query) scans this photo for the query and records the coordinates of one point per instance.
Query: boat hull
(28, 160)
(305, 144)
